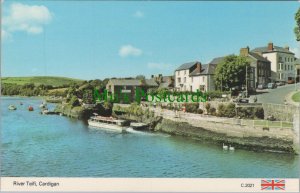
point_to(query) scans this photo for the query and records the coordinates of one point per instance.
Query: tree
(140, 77)
(297, 28)
(231, 71)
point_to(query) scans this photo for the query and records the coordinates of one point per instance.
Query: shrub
(259, 113)
(199, 111)
(230, 110)
(246, 112)
(207, 107)
(221, 110)
(212, 111)
(192, 107)
(74, 101)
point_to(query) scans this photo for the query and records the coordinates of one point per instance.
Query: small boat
(21, 103)
(30, 108)
(12, 107)
(108, 123)
(43, 105)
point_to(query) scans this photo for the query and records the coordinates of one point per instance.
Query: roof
(276, 49)
(132, 82)
(151, 82)
(206, 69)
(217, 60)
(258, 57)
(187, 65)
(165, 85)
(297, 61)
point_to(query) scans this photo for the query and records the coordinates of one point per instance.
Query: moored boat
(108, 123)
(12, 107)
(30, 108)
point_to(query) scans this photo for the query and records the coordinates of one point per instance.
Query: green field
(37, 80)
(296, 97)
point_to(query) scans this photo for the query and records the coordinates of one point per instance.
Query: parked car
(280, 83)
(291, 81)
(271, 85)
(243, 100)
(262, 86)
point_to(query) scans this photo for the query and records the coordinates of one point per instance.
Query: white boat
(108, 123)
(12, 107)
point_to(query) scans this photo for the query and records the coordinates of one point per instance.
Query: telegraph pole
(246, 83)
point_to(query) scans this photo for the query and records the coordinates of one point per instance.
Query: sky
(105, 39)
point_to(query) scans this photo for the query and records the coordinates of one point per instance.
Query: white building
(194, 76)
(282, 61)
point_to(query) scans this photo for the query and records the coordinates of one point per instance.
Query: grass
(296, 97)
(273, 123)
(37, 80)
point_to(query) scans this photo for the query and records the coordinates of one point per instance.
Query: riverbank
(219, 130)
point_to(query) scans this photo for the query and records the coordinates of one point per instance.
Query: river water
(56, 146)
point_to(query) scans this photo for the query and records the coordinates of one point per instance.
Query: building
(166, 82)
(261, 65)
(282, 61)
(129, 86)
(194, 76)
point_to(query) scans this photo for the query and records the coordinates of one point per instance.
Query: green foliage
(259, 112)
(192, 107)
(231, 72)
(199, 111)
(221, 110)
(212, 111)
(297, 28)
(74, 101)
(38, 80)
(207, 107)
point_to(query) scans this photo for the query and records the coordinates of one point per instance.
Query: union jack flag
(272, 184)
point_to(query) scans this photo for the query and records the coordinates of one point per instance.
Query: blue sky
(95, 39)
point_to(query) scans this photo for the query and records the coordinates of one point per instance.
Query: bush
(259, 113)
(192, 107)
(74, 101)
(246, 112)
(217, 94)
(199, 111)
(207, 107)
(230, 110)
(212, 111)
(221, 110)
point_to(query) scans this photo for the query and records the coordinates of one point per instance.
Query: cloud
(138, 14)
(5, 35)
(160, 65)
(129, 50)
(296, 50)
(26, 18)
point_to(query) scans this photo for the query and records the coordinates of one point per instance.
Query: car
(280, 83)
(262, 86)
(291, 81)
(271, 85)
(243, 100)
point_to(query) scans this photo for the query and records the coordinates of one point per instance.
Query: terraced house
(194, 76)
(282, 61)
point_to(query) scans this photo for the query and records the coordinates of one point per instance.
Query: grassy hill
(37, 80)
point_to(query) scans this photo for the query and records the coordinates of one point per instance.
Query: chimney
(287, 47)
(270, 46)
(198, 67)
(244, 51)
(152, 76)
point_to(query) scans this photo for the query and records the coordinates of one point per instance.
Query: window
(179, 80)
(203, 79)
(184, 80)
(191, 79)
(288, 67)
(178, 73)
(185, 72)
(191, 88)
(285, 67)
(292, 67)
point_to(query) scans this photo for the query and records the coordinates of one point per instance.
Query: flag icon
(272, 184)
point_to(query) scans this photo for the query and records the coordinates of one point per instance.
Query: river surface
(56, 146)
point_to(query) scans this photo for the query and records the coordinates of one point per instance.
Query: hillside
(37, 80)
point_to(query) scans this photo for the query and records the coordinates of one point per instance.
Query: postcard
(150, 96)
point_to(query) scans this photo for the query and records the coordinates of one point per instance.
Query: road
(276, 95)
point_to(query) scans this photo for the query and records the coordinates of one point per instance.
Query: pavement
(276, 96)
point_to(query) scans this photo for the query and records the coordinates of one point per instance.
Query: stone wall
(280, 112)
